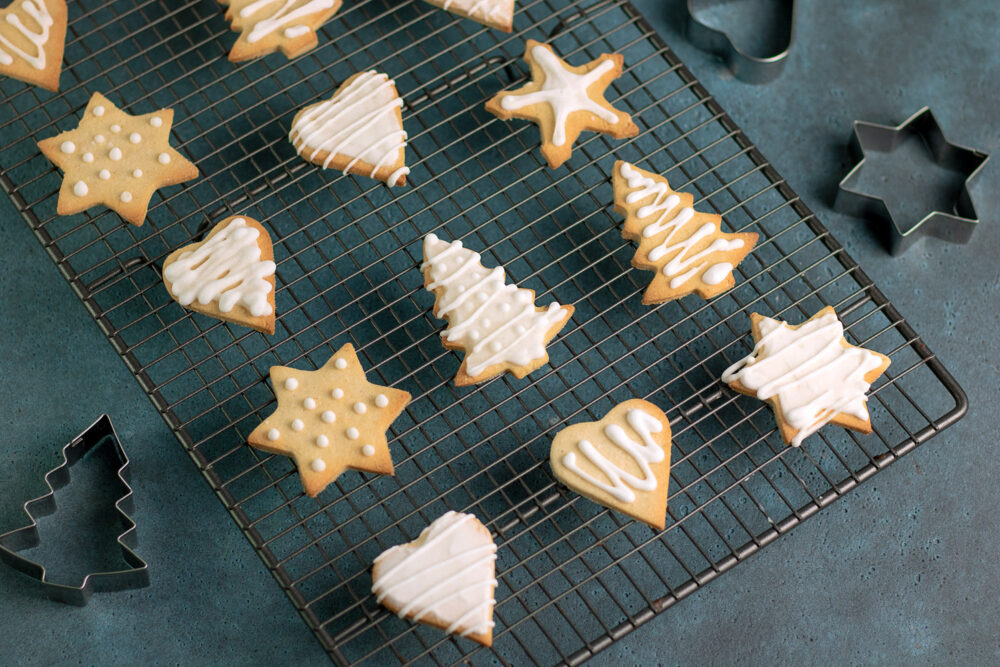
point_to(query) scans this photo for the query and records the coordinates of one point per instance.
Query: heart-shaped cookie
(32, 37)
(229, 275)
(621, 461)
(444, 578)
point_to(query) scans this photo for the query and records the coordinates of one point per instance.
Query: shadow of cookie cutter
(957, 226)
(747, 67)
(136, 576)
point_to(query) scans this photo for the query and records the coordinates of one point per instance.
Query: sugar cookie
(266, 26)
(497, 14)
(32, 37)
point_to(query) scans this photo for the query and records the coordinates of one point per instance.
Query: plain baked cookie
(265, 26)
(444, 578)
(621, 461)
(809, 374)
(229, 275)
(32, 37)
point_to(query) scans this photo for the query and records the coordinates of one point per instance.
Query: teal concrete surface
(901, 571)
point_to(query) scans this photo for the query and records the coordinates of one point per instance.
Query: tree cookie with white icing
(687, 249)
(564, 100)
(497, 14)
(359, 130)
(116, 159)
(621, 461)
(265, 26)
(32, 37)
(809, 374)
(498, 325)
(330, 420)
(229, 275)
(445, 578)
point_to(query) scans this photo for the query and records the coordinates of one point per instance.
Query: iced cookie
(809, 374)
(444, 578)
(229, 275)
(496, 324)
(621, 461)
(115, 159)
(687, 249)
(266, 26)
(565, 100)
(330, 420)
(32, 37)
(497, 14)
(359, 130)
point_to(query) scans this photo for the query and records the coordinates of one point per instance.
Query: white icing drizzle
(37, 10)
(564, 91)
(645, 425)
(228, 268)
(490, 10)
(517, 330)
(359, 121)
(289, 12)
(813, 376)
(681, 267)
(450, 575)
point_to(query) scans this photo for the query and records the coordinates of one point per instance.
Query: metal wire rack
(573, 576)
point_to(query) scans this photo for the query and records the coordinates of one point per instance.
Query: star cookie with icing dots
(564, 100)
(32, 37)
(330, 420)
(266, 26)
(116, 159)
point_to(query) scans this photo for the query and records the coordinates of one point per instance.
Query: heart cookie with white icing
(444, 578)
(497, 14)
(266, 26)
(32, 37)
(229, 275)
(359, 130)
(621, 461)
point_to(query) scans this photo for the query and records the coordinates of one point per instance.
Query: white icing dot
(504, 307)
(322, 441)
(318, 465)
(291, 384)
(337, 393)
(116, 128)
(368, 450)
(135, 137)
(352, 433)
(163, 158)
(104, 174)
(156, 121)
(88, 157)
(137, 173)
(297, 425)
(67, 147)
(126, 196)
(115, 154)
(310, 403)
(360, 408)
(80, 189)
(98, 111)
(495, 346)
(273, 434)
(340, 363)
(381, 400)
(328, 416)
(99, 138)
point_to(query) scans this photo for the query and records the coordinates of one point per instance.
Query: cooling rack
(573, 577)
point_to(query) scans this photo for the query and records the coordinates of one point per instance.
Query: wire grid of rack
(573, 577)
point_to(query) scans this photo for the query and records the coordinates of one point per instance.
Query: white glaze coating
(488, 10)
(813, 376)
(564, 91)
(644, 425)
(269, 18)
(359, 121)
(35, 31)
(507, 307)
(450, 575)
(228, 268)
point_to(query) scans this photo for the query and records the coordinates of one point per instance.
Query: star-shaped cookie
(330, 420)
(116, 159)
(565, 100)
(809, 374)
(32, 37)
(266, 26)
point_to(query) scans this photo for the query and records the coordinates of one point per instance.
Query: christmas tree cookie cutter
(955, 226)
(750, 67)
(15, 541)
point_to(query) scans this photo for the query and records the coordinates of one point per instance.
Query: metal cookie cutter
(956, 226)
(136, 576)
(752, 68)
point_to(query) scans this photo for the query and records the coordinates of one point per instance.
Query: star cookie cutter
(15, 541)
(749, 67)
(956, 226)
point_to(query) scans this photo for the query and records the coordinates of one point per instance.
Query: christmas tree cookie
(497, 14)
(265, 26)
(687, 249)
(32, 36)
(498, 325)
